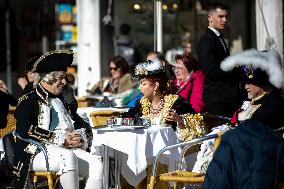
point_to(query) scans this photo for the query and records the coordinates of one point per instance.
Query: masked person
(250, 156)
(42, 116)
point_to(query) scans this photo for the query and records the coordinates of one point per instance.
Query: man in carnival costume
(251, 155)
(42, 116)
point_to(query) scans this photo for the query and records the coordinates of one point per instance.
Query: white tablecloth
(138, 147)
(84, 112)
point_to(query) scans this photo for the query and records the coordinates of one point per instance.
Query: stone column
(273, 16)
(89, 59)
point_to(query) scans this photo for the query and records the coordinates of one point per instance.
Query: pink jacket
(192, 90)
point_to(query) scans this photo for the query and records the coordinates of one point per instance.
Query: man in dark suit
(220, 88)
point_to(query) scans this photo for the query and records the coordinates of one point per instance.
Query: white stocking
(69, 180)
(90, 167)
(91, 184)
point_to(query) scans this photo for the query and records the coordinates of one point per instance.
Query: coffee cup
(128, 121)
(118, 102)
(118, 121)
(146, 121)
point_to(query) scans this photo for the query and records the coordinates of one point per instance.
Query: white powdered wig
(268, 61)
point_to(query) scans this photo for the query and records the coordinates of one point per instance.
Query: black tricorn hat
(57, 60)
(255, 76)
(30, 63)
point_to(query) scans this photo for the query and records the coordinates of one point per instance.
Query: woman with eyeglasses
(119, 80)
(189, 80)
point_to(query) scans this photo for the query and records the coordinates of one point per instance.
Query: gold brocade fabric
(169, 101)
(195, 127)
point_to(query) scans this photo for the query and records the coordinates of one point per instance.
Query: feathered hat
(57, 60)
(258, 67)
(149, 69)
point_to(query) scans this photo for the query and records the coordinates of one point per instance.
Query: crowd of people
(165, 94)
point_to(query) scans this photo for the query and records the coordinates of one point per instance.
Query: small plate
(164, 125)
(121, 107)
(122, 128)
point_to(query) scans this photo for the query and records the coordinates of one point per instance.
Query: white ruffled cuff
(59, 138)
(84, 137)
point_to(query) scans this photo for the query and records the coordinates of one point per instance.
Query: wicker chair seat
(182, 176)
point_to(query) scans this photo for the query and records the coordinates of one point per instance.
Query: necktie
(223, 42)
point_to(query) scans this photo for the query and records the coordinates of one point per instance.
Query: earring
(154, 93)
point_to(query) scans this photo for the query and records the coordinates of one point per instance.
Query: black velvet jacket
(219, 86)
(26, 115)
(248, 157)
(271, 110)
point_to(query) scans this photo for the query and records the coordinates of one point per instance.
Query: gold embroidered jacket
(27, 116)
(142, 108)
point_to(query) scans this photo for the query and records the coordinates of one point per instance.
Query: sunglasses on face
(113, 68)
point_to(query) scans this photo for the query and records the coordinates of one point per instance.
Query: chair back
(217, 141)
(179, 175)
(11, 123)
(100, 117)
(82, 101)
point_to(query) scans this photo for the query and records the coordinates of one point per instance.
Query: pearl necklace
(157, 110)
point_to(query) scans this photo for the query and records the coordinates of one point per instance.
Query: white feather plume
(268, 61)
(147, 67)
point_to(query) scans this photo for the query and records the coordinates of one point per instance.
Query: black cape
(249, 157)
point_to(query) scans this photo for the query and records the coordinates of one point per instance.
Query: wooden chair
(100, 117)
(52, 178)
(82, 101)
(180, 175)
(11, 123)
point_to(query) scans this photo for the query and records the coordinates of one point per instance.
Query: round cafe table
(133, 149)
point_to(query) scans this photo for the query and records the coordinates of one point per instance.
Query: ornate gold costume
(195, 126)
(146, 106)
